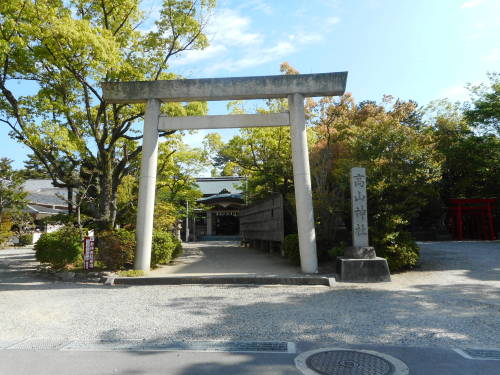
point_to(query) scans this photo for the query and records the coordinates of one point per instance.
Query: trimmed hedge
(178, 251)
(116, 248)
(165, 247)
(26, 239)
(59, 248)
(400, 250)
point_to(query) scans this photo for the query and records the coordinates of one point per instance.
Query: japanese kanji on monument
(359, 208)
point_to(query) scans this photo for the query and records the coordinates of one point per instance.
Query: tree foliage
(401, 161)
(178, 163)
(485, 110)
(12, 196)
(65, 49)
(471, 160)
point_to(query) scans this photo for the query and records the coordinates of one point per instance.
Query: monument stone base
(360, 252)
(362, 270)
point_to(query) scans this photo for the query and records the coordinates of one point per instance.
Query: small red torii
(480, 209)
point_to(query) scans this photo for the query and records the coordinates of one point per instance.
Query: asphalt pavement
(420, 361)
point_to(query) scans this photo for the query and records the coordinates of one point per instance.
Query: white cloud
(234, 46)
(471, 4)
(332, 20)
(194, 56)
(304, 38)
(455, 93)
(280, 49)
(229, 27)
(260, 5)
(259, 56)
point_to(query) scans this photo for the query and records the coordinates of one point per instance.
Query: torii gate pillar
(302, 184)
(147, 186)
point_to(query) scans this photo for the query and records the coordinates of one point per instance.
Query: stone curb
(69, 276)
(219, 280)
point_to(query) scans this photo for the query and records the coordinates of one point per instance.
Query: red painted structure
(472, 216)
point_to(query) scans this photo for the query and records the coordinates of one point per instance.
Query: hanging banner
(88, 253)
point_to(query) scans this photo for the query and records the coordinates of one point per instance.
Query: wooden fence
(262, 223)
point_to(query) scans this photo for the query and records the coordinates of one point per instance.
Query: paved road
(420, 361)
(451, 300)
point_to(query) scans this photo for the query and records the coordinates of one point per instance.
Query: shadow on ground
(18, 271)
(480, 260)
(427, 315)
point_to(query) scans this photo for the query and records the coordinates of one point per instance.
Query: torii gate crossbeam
(293, 87)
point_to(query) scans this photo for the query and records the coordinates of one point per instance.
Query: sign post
(88, 253)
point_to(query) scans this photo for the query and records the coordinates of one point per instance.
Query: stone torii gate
(293, 87)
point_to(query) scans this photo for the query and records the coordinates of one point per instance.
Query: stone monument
(360, 262)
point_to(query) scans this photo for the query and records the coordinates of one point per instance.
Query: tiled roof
(222, 197)
(43, 186)
(35, 209)
(52, 200)
(35, 185)
(214, 185)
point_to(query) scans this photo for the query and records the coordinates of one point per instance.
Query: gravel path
(451, 300)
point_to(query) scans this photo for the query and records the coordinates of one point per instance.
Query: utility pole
(187, 221)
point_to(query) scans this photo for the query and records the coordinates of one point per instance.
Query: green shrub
(337, 251)
(291, 248)
(165, 247)
(26, 239)
(5, 226)
(400, 250)
(59, 248)
(178, 249)
(116, 248)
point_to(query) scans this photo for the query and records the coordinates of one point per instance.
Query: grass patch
(131, 273)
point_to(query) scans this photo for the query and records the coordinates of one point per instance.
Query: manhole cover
(348, 362)
(335, 361)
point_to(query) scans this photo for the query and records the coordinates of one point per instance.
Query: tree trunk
(70, 199)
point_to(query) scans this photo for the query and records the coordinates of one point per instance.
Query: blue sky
(421, 50)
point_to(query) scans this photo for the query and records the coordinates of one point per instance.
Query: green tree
(471, 160)
(402, 162)
(263, 155)
(34, 169)
(12, 196)
(65, 49)
(485, 110)
(12, 199)
(178, 164)
(402, 166)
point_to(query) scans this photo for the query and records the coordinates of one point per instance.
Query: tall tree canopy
(65, 49)
(485, 110)
(471, 160)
